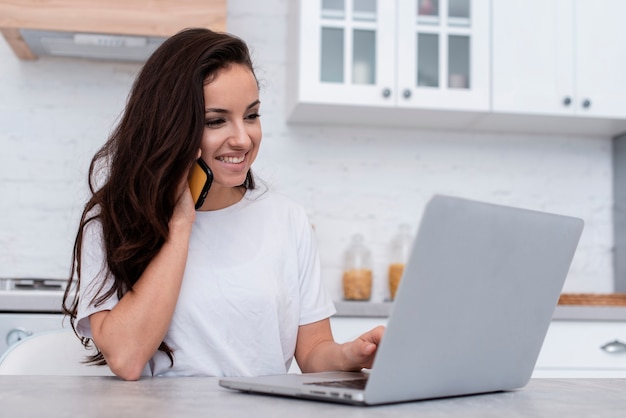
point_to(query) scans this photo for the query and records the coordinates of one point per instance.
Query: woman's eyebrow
(254, 103)
(215, 110)
(219, 110)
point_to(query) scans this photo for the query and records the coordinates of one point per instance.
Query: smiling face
(232, 132)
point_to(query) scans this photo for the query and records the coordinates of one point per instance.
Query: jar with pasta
(357, 273)
(398, 256)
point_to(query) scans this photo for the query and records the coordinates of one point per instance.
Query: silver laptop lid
(475, 301)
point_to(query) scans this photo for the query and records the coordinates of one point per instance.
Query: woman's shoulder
(93, 221)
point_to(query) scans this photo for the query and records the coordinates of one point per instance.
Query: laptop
(471, 311)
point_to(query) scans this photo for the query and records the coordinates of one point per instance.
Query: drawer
(580, 349)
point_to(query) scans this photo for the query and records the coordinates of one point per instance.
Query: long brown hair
(145, 158)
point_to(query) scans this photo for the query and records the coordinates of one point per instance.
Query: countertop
(562, 312)
(74, 396)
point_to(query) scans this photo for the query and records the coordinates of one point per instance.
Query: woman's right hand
(184, 211)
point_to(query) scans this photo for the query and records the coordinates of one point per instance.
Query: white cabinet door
(601, 58)
(346, 52)
(443, 54)
(561, 57)
(533, 56)
(361, 60)
(583, 349)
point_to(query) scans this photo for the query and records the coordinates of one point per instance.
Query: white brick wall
(54, 113)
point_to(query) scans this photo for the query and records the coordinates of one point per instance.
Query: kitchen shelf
(562, 312)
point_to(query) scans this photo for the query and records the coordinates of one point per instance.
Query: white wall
(54, 113)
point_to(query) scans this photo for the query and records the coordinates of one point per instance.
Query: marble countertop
(562, 312)
(72, 396)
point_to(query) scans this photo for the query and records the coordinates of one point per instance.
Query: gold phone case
(200, 179)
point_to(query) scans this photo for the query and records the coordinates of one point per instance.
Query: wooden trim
(612, 299)
(17, 43)
(126, 17)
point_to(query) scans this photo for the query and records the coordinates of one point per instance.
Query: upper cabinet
(511, 65)
(381, 55)
(442, 54)
(562, 57)
(346, 52)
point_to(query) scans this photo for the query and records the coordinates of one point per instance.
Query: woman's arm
(129, 334)
(316, 350)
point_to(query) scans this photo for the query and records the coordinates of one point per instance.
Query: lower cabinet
(571, 349)
(592, 349)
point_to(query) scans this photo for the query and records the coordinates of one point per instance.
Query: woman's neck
(222, 197)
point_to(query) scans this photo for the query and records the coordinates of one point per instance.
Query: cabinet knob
(614, 347)
(16, 335)
(586, 103)
(386, 92)
(406, 93)
(567, 101)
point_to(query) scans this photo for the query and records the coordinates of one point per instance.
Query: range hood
(127, 30)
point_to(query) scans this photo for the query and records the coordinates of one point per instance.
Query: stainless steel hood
(111, 29)
(91, 45)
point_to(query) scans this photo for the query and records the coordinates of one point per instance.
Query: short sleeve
(93, 281)
(316, 303)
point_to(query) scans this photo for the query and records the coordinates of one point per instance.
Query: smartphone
(200, 179)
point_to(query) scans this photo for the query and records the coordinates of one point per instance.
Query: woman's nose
(239, 137)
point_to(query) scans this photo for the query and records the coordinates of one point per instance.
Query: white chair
(53, 353)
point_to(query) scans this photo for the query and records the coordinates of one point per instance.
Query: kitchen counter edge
(562, 312)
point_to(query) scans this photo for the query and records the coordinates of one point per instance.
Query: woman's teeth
(231, 160)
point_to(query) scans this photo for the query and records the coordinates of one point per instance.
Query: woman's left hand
(360, 353)
(317, 351)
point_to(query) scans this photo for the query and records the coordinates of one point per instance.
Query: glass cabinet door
(443, 54)
(340, 28)
(348, 53)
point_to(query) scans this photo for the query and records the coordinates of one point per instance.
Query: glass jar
(357, 273)
(398, 256)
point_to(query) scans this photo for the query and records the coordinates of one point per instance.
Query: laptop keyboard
(348, 383)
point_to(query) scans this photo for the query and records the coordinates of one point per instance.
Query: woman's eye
(253, 116)
(213, 122)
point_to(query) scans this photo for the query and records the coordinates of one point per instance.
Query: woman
(231, 289)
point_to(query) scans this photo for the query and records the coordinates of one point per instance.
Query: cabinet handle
(386, 92)
(16, 335)
(406, 93)
(586, 103)
(567, 101)
(614, 347)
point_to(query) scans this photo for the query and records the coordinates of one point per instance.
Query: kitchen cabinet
(365, 57)
(443, 54)
(15, 326)
(561, 57)
(571, 349)
(593, 349)
(515, 66)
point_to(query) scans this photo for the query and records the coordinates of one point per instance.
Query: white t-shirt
(252, 277)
